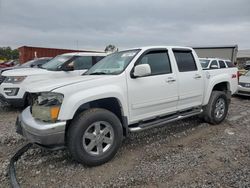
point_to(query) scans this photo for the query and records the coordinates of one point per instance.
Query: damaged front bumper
(50, 135)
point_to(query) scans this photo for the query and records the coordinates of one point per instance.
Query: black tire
(81, 125)
(209, 113)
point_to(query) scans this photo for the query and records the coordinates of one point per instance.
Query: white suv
(13, 82)
(215, 63)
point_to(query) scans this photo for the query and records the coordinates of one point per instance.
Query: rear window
(185, 60)
(230, 64)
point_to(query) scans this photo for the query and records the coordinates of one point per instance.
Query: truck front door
(155, 94)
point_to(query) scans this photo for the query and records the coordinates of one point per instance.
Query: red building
(27, 53)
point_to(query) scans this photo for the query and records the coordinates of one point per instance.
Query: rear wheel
(216, 110)
(94, 136)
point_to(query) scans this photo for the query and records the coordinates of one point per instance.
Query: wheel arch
(110, 103)
(219, 86)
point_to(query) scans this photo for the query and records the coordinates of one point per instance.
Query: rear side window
(81, 63)
(222, 64)
(158, 62)
(185, 60)
(214, 63)
(229, 64)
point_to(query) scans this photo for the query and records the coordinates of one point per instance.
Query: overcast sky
(93, 24)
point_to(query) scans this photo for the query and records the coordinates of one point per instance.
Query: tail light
(238, 76)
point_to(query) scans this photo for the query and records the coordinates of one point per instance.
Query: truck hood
(49, 85)
(25, 72)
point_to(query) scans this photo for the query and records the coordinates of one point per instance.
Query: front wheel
(216, 110)
(94, 136)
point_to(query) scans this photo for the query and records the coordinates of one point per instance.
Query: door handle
(170, 80)
(197, 76)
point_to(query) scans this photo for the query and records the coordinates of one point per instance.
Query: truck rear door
(190, 79)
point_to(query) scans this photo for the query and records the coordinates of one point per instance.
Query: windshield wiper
(97, 73)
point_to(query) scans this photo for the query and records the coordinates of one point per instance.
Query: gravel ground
(186, 153)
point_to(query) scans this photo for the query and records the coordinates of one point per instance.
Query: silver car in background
(244, 85)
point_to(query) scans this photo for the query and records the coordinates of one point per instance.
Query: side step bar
(167, 119)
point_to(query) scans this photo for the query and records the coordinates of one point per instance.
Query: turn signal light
(54, 111)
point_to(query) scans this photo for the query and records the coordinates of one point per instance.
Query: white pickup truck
(13, 82)
(130, 90)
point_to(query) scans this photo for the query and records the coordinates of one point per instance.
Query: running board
(160, 121)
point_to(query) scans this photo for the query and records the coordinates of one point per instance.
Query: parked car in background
(244, 84)
(32, 63)
(13, 83)
(215, 63)
(36, 62)
(9, 64)
(247, 66)
(130, 90)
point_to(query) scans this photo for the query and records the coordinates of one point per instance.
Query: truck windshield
(204, 63)
(56, 63)
(113, 64)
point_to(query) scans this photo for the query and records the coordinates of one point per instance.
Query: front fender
(73, 101)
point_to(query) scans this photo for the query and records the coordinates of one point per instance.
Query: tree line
(6, 53)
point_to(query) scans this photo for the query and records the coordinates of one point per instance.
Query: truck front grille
(1, 79)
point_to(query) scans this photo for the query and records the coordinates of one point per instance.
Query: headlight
(46, 106)
(14, 79)
(49, 99)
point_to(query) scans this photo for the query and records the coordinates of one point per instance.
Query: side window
(83, 63)
(229, 64)
(222, 64)
(158, 61)
(214, 64)
(185, 61)
(97, 58)
(41, 62)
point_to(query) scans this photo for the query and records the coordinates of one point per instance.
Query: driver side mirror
(214, 67)
(141, 70)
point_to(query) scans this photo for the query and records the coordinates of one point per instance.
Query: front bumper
(45, 134)
(243, 91)
(16, 102)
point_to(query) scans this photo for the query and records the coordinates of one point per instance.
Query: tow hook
(11, 171)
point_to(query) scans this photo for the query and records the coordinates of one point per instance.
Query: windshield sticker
(128, 54)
